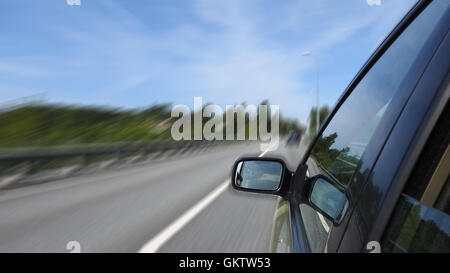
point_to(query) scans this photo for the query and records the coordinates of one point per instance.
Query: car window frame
(301, 243)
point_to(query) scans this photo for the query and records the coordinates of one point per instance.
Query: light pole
(307, 53)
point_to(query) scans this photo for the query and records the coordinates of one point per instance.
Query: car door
(353, 136)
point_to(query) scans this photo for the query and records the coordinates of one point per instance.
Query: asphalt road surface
(179, 205)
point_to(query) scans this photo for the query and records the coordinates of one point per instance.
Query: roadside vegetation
(323, 114)
(44, 124)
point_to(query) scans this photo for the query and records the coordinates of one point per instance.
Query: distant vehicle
(376, 177)
(294, 138)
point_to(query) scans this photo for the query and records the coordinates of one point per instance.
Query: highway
(126, 209)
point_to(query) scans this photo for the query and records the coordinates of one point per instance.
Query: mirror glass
(259, 175)
(328, 198)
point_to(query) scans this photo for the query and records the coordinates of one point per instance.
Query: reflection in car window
(264, 175)
(417, 228)
(328, 198)
(339, 149)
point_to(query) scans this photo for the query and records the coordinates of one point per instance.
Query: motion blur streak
(119, 209)
(112, 179)
(162, 237)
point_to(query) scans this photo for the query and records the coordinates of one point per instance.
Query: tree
(323, 114)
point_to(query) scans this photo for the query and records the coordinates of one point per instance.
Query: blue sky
(135, 53)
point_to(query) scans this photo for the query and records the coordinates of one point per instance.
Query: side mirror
(259, 174)
(329, 198)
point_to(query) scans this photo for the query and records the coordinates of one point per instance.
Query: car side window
(416, 227)
(421, 220)
(339, 149)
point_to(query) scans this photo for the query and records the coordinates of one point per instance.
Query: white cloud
(73, 2)
(373, 2)
(20, 69)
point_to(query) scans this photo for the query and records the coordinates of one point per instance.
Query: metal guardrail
(18, 164)
(98, 149)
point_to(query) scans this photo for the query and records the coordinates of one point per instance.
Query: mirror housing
(261, 175)
(328, 197)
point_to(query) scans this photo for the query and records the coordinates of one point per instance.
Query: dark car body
(386, 158)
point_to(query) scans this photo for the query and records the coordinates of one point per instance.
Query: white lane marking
(164, 235)
(324, 223)
(268, 149)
